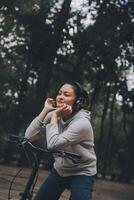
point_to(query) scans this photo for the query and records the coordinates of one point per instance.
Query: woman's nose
(61, 97)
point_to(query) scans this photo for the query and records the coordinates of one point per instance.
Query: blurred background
(44, 43)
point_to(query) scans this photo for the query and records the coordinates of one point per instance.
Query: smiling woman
(67, 126)
(66, 95)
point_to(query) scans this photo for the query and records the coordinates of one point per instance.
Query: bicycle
(27, 194)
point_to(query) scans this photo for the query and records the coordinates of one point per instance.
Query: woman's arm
(36, 129)
(79, 130)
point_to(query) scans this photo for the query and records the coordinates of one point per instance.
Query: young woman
(67, 127)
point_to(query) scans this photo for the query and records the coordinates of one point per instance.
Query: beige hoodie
(74, 135)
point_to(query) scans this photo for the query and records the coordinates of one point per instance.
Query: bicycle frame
(27, 193)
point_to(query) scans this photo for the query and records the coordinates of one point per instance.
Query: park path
(103, 190)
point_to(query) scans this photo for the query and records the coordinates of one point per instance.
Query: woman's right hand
(50, 104)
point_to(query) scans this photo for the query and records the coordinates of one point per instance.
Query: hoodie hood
(83, 113)
(80, 114)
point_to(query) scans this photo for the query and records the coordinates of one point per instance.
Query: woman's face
(66, 95)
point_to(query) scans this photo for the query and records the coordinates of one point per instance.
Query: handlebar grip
(73, 155)
(67, 154)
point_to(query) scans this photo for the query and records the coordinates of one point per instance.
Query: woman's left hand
(63, 111)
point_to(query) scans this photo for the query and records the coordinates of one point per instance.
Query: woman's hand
(50, 104)
(63, 111)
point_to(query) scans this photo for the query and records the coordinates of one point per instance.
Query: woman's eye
(64, 94)
(67, 95)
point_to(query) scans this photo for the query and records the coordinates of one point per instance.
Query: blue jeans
(52, 188)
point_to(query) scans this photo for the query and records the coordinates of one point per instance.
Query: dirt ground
(103, 190)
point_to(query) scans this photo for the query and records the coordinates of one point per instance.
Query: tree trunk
(130, 171)
(46, 69)
(96, 91)
(21, 96)
(101, 136)
(107, 154)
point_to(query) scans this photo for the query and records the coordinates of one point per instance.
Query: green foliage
(44, 43)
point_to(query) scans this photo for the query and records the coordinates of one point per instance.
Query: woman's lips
(60, 104)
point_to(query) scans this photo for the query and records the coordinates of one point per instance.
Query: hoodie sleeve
(37, 129)
(79, 130)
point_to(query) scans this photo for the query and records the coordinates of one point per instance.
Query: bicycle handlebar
(23, 141)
